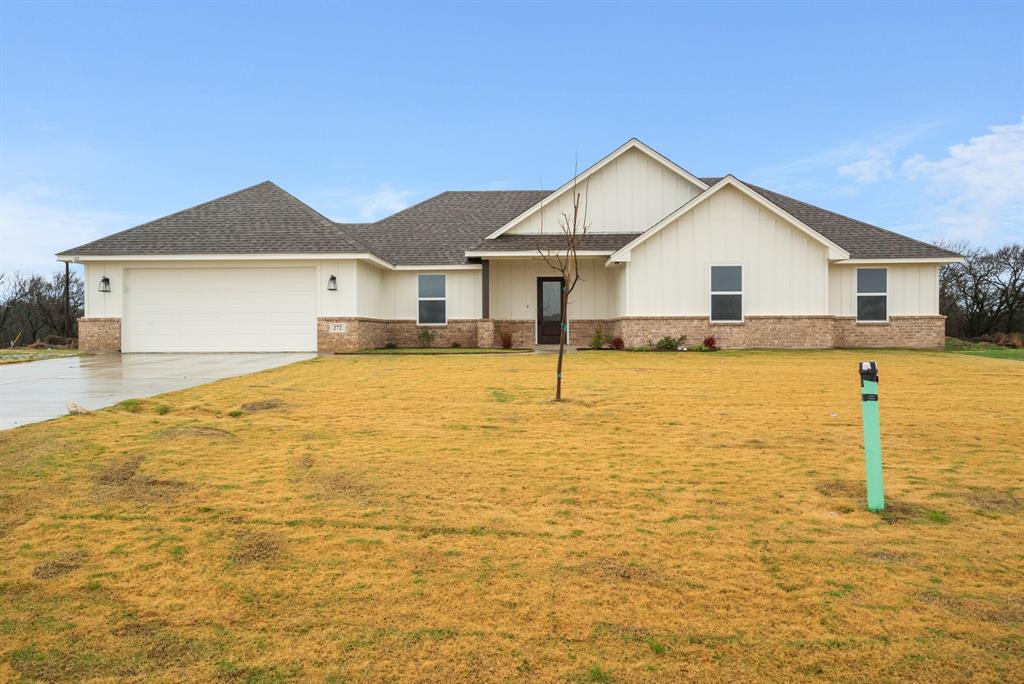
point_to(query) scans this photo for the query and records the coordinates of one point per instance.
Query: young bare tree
(559, 252)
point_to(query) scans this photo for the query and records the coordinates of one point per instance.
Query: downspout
(485, 305)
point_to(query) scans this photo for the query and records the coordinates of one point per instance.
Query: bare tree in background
(560, 255)
(1010, 279)
(983, 294)
(32, 308)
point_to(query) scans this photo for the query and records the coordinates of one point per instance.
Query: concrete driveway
(40, 390)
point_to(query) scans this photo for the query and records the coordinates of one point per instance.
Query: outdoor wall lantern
(104, 284)
(332, 283)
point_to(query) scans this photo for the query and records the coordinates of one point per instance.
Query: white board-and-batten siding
(394, 295)
(785, 272)
(513, 291)
(913, 289)
(629, 195)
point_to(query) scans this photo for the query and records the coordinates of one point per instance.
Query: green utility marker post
(872, 434)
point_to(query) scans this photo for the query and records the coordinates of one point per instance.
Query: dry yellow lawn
(683, 516)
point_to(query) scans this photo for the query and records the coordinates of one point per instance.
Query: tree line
(983, 296)
(32, 308)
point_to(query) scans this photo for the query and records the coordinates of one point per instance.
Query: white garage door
(219, 310)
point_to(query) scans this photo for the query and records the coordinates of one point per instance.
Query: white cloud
(34, 226)
(345, 207)
(864, 160)
(877, 166)
(383, 202)
(981, 186)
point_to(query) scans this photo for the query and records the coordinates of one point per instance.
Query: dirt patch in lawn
(886, 555)
(121, 480)
(263, 405)
(195, 431)
(850, 489)
(256, 547)
(617, 569)
(991, 500)
(61, 565)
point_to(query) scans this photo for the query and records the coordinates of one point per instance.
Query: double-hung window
(872, 295)
(433, 306)
(726, 294)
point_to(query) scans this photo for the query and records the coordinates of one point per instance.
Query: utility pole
(67, 299)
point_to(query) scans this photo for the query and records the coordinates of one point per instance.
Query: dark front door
(549, 310)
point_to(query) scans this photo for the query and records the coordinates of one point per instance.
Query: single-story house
(667, 253)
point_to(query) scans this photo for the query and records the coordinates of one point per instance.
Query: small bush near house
(598, 340)
(698, 347)
(618, 343)
(506, 340)
(1011, 340)
(390, 344)
(60, 341)
(667, 344)
(456, 345)
(710, 343)
(426, 337)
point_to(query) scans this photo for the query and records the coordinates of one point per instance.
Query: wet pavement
(40, 390)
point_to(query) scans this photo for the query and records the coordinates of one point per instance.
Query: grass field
(992, 351)
(23, 354)
(414, 518)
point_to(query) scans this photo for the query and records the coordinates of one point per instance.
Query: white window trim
(857, 295)
(741, 293)
(432, 299)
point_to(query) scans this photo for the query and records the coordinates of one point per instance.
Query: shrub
(710, 343)
(426, 337)
(667, 344)
(58, 341)
(506, 339)
(618, 343)
(698, 347)
(1011, 340)
(391, 344)
(456, 345)
(598, 340)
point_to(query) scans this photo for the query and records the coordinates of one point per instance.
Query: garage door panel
(229, 309)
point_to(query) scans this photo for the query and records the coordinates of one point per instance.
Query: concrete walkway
(40, 390)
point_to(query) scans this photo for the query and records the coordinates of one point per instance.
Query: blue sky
(906, 115)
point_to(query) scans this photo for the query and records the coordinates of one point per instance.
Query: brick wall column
(99, 334)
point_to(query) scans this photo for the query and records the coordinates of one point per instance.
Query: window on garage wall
(433, 304)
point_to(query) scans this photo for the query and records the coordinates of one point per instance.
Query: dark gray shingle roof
(861, 240)
(262, 219)
(605, 242)
(439, 230)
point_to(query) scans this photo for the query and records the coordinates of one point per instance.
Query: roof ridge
(762, 190)
(447, 192)
(324, 221)
(170, 216)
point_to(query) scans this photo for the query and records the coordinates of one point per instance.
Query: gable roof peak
(631, 144)
(259, 219)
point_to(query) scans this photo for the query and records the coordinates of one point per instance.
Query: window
(432, 304)
(726, 294)
(872, 295)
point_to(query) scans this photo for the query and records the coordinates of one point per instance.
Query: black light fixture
(104, 284)
(332, 283)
